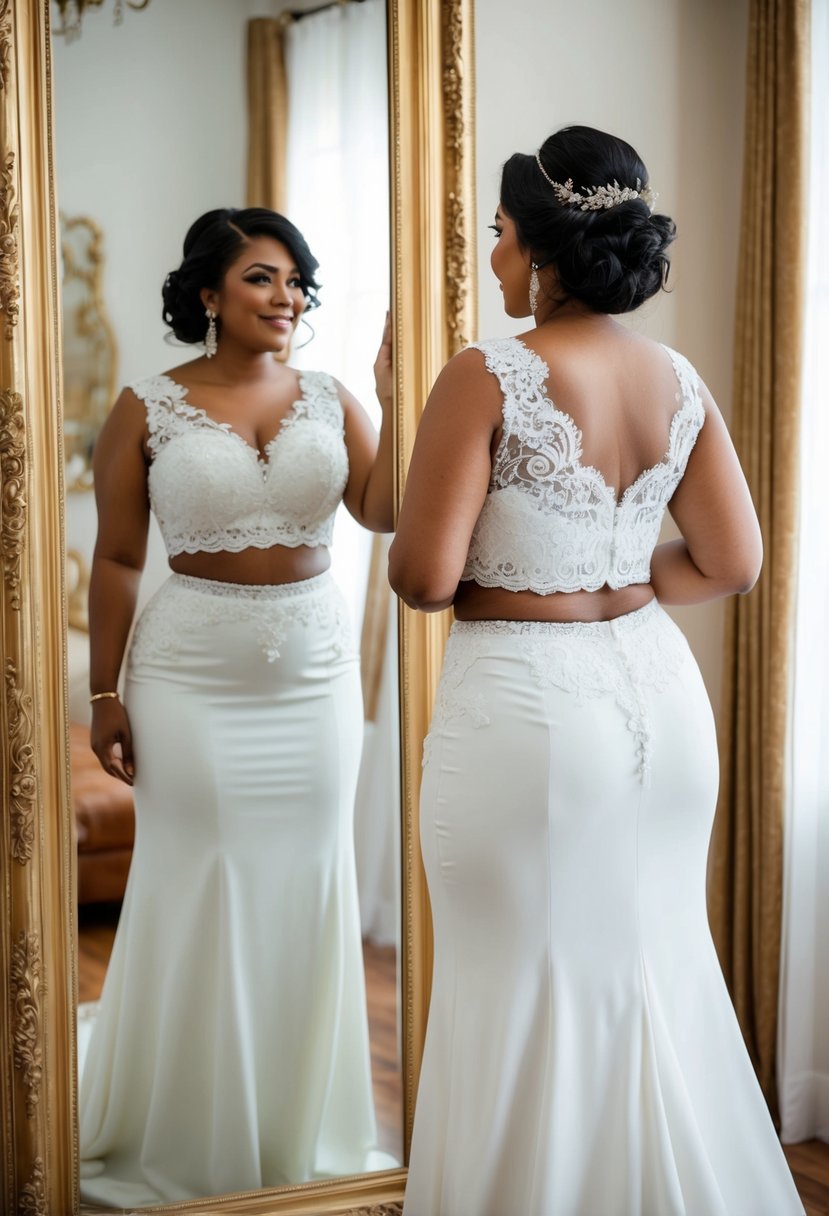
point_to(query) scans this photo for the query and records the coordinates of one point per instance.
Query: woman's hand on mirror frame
(384, 368)
(369, 494)
(111, 739)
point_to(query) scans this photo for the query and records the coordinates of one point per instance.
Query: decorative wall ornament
(23, 784)
(89, 349)
(33, 1195)
(9, 214)
(12, 490)
(26, 987)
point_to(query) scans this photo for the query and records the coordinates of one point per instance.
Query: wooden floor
(96, 931)
(809, 1162)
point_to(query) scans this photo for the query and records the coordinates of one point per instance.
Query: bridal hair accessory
(600, 198)
(211, 344)
(535, 288)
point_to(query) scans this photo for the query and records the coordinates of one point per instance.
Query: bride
(231, 1048)
(582, 1055)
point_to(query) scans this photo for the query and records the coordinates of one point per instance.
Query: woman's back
(585, 396)
(553, 520)
(619, 387)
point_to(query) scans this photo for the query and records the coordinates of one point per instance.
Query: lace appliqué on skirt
(622, 659)
(184, 604)
(451, 701)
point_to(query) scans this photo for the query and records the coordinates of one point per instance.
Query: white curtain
(338, 195)
(803, 1048)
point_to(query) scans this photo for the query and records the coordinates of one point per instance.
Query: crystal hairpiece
(600, 198)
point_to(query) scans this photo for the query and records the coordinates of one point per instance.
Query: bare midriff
(255, 567)
(476, 603)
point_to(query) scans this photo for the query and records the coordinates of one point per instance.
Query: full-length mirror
(230, 989)
(239, 904)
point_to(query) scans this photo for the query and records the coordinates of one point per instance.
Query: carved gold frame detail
(434, 292)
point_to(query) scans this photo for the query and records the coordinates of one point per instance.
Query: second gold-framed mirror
(432, 215)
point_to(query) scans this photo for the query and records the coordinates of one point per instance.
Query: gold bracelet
(99, 696)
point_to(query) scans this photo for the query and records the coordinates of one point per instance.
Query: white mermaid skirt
(231, 1048)
(582, 1056)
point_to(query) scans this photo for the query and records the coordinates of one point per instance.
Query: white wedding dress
(230, 1050)
(582, 1055)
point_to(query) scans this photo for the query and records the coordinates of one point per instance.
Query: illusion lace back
(550, 523)
(211, 491)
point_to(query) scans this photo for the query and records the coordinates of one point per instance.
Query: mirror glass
(223, 1048)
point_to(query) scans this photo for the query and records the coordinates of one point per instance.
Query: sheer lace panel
(211, 491)
(551, 523)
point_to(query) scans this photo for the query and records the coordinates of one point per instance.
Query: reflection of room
(171, 142)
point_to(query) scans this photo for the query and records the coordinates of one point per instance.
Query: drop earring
(535, 288)
(211, 344)
(311, 333)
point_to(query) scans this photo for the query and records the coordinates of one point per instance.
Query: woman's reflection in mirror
(231, 1047)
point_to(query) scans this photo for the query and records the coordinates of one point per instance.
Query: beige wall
(668, 76)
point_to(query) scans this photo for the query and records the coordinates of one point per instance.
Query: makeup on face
(264, 286)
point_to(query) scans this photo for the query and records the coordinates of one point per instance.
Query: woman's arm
(446, 484)
(721, 549)
(369, 495)
(123, 517)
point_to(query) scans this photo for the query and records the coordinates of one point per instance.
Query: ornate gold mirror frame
(434, 313)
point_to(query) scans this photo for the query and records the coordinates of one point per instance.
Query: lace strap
(689, 418)
(166, 407)
(521, 376)
(320, 401)
(687, 376)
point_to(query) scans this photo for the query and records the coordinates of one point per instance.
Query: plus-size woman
(231, 1047)
(582, 1056)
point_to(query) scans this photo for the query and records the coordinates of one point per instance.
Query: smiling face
(260, 301)
(511, 266)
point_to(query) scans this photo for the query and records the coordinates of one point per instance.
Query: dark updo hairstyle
(611, 260)
(212, 244)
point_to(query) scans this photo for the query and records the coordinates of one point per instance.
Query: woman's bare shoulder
(466, 385)
(126, 420)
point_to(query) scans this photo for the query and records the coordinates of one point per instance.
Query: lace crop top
(550, 523)
(211, 491)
